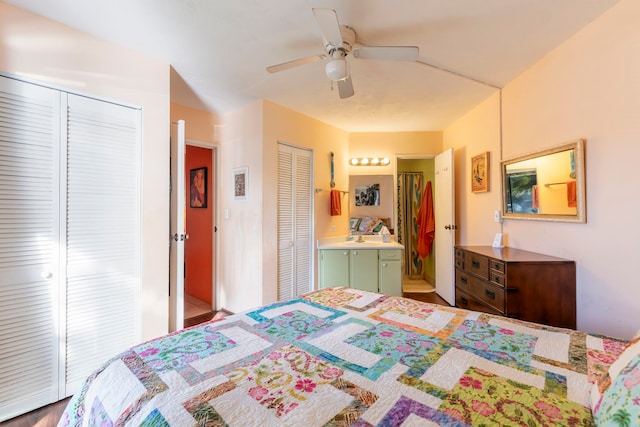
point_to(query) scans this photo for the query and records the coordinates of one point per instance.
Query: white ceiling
(219, 51)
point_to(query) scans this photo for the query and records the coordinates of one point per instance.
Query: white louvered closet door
(102, 234)
(295, 221)
(29, 195)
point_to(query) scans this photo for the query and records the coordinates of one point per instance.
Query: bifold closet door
(295, 221)
(29, 246)
(69, 240)
(102, 234)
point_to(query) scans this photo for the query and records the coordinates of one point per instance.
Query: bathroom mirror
(546, 186)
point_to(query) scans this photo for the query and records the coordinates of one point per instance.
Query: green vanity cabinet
(390, 272)
(362, 272)
(334, 268)
(366, 269)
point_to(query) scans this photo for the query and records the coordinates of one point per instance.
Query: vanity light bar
(369, 161)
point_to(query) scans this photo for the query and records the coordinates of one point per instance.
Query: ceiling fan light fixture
(336, 69)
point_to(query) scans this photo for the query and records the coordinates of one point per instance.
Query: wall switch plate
(333, 227)
(497, 216)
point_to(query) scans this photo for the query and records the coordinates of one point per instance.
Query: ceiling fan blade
(295, 63)
(329, 25)
(387, 53)
(345, 88)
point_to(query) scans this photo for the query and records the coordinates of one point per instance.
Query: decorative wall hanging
(241, 183)
(368, 195)
(480, 173)
(198, 188)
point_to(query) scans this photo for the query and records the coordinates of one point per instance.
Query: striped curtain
(410, 187)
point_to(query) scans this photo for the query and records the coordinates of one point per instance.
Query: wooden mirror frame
(579, 158)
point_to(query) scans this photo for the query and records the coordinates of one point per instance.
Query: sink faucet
(360, 239)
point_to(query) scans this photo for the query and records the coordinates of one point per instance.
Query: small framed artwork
(198, 188)
(241, 183)
(480, 173)
(368, 195)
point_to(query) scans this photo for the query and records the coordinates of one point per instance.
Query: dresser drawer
(491, 294)
(467, 282)
(466, 301)
(459, 258)
(497, 278)
(496, 265)
(477, 264)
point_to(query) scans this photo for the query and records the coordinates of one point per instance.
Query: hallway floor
(416, 286)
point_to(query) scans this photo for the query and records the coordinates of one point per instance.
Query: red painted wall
(199, 223)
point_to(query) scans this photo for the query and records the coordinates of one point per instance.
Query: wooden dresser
(516, 283)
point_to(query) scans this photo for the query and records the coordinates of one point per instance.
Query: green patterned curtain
(410, 187)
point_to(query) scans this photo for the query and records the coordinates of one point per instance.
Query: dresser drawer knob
(464, 301)
(463, 279)
(475, 263)
(490, 294)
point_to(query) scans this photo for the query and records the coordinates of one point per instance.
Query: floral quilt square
(495, 343)
(401, 345)
(284, 379)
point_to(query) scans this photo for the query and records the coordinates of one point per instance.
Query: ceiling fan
(339, 41)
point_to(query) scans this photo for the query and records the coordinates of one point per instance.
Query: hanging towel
(534, 197)
(336, 208)
(426, 223)
(571, 194)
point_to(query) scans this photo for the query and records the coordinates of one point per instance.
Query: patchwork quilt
(344, 357)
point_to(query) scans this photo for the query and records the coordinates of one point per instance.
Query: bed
(342, 357)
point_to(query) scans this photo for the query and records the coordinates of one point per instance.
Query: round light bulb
(375, 161)
(336, 69)
(354, 161)
(385, 161)
(364, 161)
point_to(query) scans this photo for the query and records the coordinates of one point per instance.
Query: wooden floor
(431, 297)
(48, 416)
(196, 311)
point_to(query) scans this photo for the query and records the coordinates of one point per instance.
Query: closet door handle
(46, 275)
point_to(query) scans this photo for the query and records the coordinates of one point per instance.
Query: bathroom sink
(364, 243)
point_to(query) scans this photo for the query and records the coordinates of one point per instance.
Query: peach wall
(45, 51)
(476, 132)
(288, 126)
(390, 144)
(248, 259)
(200, 126)
(240, 230)
(587, 87)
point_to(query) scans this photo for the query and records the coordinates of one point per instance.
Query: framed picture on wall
(241, 183)
(198, 188)
(480, 173)
(368, 195)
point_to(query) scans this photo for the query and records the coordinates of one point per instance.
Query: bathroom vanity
(371, 265)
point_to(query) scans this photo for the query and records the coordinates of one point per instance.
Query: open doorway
(413, 176)
(200, 220)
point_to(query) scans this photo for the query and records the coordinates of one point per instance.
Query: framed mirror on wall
(546, 186)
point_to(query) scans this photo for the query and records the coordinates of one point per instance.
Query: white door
(177, 233)
(102, 234)
(295, 221)
(29, 244)
(445, 235)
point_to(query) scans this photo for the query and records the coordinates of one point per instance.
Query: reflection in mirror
(548, 186)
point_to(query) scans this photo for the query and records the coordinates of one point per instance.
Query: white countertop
(370, 242)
